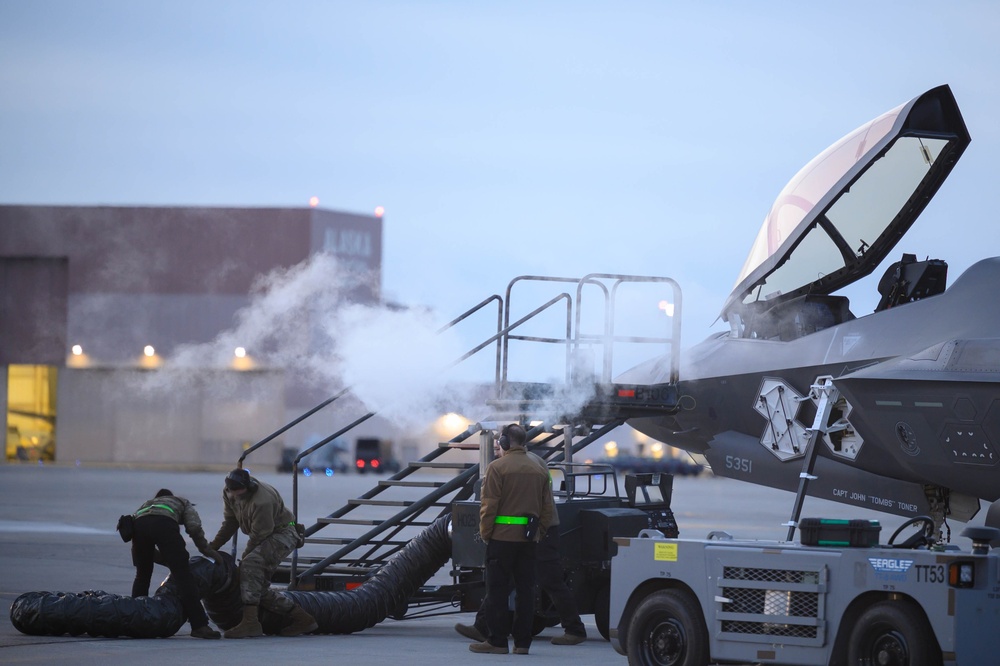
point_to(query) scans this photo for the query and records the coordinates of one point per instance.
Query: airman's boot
(249, 626)
(302, 623)
(205, 632)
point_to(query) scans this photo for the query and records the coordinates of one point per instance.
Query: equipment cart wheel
(893, 633)
(602, 610)
(539, 623)
(668, 630)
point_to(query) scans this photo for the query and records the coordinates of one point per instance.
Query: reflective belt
(153, 506)
(511, 520)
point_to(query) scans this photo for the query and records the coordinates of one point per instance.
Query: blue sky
(502, 138)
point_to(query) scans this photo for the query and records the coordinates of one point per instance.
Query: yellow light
(77, 359)
(656, 449)
(148, 350)
(242, 360)
(379, 211)
(611, 449)
(448, 425)
(313, 202)
(667, 307)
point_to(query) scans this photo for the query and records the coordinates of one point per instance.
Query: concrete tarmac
(57, 534)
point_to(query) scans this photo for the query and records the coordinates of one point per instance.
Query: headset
(504, 440)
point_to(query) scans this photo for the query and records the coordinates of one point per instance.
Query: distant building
(84, 290)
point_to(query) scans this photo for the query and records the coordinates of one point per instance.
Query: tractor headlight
(962, 574)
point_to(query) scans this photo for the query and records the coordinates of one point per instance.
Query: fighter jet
(909, 395)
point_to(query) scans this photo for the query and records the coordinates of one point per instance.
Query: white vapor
(303, 320)
(394, 361)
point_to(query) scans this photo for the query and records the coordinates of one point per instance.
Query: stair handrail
(471, 311)
(501, 389)
(291, 424)
(468, 313)
(609, 337)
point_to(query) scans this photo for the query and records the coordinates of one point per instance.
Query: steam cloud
(303, 319)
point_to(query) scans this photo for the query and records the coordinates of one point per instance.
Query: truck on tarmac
(836, 596)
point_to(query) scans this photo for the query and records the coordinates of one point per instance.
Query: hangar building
(97, 301)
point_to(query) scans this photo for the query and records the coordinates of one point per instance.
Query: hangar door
(33, 306)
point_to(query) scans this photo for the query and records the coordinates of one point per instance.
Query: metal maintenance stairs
(372, 528)
(348, 545)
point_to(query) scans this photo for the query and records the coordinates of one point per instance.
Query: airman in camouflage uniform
(257, 510)
(157, 527)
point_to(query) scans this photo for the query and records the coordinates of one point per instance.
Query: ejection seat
(909, 280)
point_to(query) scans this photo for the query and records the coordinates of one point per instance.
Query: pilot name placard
(881, 503)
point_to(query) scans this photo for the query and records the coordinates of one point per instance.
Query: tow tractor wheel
(602, 611)
(668, 630)
(539, 623)
(893, 633)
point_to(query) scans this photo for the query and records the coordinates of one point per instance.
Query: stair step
(374, 502)
(340, 569)
(375, 521)
(411, 484)
(339, 541)
(464, 446)
(335, 568)
(349, 521)
(441, 465)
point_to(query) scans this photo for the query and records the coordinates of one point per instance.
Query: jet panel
(915, 423)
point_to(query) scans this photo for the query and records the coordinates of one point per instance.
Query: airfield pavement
(57, 534)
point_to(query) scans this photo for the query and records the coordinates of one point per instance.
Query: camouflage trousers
(259, 564)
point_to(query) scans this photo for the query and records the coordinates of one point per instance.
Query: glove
(214, 546)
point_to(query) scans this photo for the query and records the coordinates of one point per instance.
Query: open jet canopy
(839, 217)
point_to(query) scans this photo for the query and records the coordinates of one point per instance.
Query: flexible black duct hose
(388, 589)
(101, 614)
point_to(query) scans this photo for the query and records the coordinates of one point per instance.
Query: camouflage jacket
(258, 513)
(180, 510)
